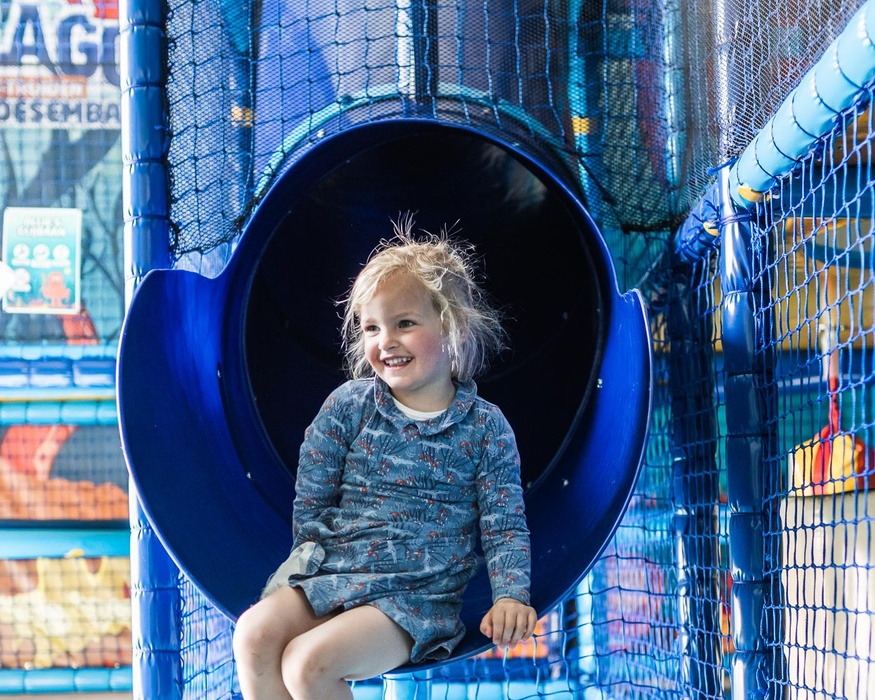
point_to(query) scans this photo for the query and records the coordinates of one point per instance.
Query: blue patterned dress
(387, 511)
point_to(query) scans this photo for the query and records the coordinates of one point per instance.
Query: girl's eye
(406, 324)
(370, 329)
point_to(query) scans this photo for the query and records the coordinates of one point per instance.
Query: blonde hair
(444, 267)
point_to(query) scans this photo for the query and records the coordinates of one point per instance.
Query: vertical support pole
(582, 93)
(157, 661)
(238, 18)
(746, 443)
(694, 485)
(145, 139)
(157, 665)
(747, 436)
(673, 102)
(425, 51)
(416, 31)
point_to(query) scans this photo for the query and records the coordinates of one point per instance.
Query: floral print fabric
(387, 511)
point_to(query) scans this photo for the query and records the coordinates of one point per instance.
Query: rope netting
(634, 102)
(278, 77)
(632, 95)
(817, 238)
(639, 101)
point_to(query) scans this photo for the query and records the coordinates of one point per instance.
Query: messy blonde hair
(444, 268)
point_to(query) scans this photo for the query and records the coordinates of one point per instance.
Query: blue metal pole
(157, 661)
(155, 603)
(673, 102)
(747, 440)
(145, 140)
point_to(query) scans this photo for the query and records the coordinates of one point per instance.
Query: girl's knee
(254, 634)
(306, 667)
(245, 637)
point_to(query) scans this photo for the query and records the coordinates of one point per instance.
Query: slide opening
(535, 246)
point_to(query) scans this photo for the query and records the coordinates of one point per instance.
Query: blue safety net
(636, 104)
(818, 271)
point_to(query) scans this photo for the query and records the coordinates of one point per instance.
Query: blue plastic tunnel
(218, 378)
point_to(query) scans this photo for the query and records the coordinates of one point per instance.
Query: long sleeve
(321, 461)
(503, 531)
(321, 465)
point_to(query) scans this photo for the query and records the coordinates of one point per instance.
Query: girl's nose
(387, 340)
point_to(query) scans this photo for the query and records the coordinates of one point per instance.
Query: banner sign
(58, 64)
(42, 247)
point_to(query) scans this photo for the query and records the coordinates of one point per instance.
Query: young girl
(396, 472)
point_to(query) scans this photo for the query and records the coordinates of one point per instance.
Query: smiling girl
(398, 472)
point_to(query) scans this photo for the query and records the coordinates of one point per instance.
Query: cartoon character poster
(60, 148)
(41, 246)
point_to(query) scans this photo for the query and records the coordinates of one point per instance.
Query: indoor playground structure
(672, 202)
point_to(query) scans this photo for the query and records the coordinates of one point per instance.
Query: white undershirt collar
(413, 414)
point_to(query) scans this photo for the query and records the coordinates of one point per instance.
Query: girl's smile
(405, 344)
(393, 362)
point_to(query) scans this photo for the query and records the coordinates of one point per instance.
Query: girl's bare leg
(261, 635)
(359, 643)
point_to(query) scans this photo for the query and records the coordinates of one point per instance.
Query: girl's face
(405, 344)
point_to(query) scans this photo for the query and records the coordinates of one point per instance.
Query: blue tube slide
(218, 378)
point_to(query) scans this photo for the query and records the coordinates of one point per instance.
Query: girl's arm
(504, 536)
(321, 460)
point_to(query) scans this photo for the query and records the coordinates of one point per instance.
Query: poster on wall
(58, 64)
(42, 249)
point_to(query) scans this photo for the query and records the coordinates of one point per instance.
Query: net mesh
(640, 101)
(633, 95)
(545, 75)
(659, 595)
(205, 641)
(819, 271)
(637, 101)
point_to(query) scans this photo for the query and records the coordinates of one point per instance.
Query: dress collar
(466, 393)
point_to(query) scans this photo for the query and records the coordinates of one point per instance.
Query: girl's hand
(509, 621)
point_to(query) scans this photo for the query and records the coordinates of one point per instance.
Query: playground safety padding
(804, 117)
